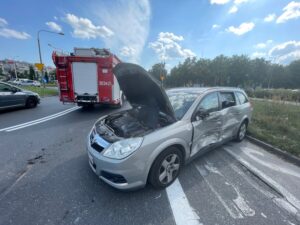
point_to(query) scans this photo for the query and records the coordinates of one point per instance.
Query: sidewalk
(281, 175)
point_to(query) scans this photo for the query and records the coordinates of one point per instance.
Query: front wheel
(31, 102)
(166, 168)
(242, 132)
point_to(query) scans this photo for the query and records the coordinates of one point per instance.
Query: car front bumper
(126, 174)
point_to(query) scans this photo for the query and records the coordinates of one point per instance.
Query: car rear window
(242, 98)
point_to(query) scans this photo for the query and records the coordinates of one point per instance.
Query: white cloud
(167, 47)
(270, 18)
(233, 9)
(85, 29)
(216, 26)
(130, 21)
(219, 2)
(10, 33)
(168, 37)
(264, 44)
(127, 51)
(258, 55)
(291, 11)
(3, 22)
(242, 29)
(54, 26)
(55, 17)
(237, 2)
(285, 53)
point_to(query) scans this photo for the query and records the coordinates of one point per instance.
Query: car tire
(166, 168)
(31, 102)
(241, 134)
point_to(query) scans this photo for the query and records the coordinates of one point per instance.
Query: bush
(275, 94)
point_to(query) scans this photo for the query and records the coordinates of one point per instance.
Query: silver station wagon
(163, 130)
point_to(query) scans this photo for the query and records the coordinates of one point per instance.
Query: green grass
(51, 85)
(43, 92)
(277, 124)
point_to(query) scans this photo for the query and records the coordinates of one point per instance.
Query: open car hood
(141, 88)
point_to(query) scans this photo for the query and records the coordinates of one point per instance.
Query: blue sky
(147, 32)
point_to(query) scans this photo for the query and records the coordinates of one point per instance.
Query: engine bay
(138, 121)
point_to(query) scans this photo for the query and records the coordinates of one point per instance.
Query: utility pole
(40, 55)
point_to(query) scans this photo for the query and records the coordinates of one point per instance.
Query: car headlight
(122, 149)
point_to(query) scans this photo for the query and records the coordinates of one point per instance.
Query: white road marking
(280, 202)
(263, 215)
(289, 197)
(182, 211)
(41, 120)
(242, 204)
(251, 153)
(239, 201)
(230, 207)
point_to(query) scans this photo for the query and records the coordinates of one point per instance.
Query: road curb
(285, 155)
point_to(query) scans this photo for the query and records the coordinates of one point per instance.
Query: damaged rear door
(207, 123)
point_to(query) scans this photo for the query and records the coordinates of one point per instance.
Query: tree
(157, 70)
(52, 75)
(292, 72)
(237, 71)
(31, 73)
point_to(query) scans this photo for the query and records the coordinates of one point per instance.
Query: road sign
(39, 66)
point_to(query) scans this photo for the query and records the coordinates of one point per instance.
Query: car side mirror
(201, 114)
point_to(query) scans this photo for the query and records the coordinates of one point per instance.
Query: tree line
(236, 71)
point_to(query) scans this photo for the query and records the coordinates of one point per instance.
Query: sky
(148, 32)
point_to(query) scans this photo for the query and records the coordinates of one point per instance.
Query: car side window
(227, 99)
(5, 88)
(210, 103)
(242, 98)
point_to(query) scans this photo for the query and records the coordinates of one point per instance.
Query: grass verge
(43, 92)
(277, 124)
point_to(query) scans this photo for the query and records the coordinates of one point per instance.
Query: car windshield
(181, 101)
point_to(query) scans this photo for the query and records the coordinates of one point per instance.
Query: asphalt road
(45, 179)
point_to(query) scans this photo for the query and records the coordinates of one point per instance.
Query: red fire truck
(85, 77)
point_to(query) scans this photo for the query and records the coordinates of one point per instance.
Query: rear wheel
(242, 132)
(31, 102)
(166, 168)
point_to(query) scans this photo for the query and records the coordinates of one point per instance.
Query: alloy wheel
(169, 169)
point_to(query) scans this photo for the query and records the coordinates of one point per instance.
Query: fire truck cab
(85, 77)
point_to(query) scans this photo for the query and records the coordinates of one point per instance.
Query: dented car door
(207, 123)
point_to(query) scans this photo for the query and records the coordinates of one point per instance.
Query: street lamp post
(39, 46)
(58, 49)
(15, 66)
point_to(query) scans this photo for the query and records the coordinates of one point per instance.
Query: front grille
(97, 147)
(116, 178)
